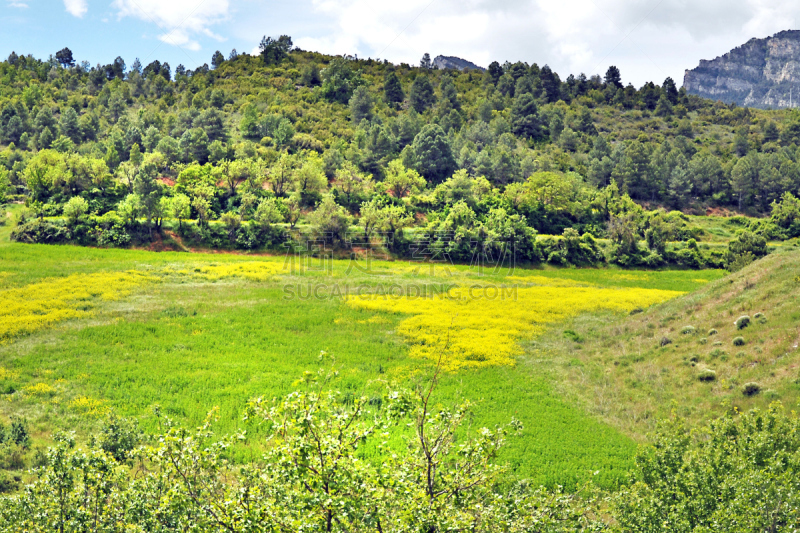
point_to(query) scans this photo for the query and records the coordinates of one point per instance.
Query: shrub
(571, 335)
(118, 437)
(739, 341)
(742, 322)
(665, 341)
(703, 341)
(716, 353)
(751, 389)
(16, 434)
(758, 315)
(12, 456)
(707, 375)
(688, 330)
(712, 332)
(9, 483)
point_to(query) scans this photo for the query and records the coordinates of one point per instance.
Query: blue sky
(646, 39)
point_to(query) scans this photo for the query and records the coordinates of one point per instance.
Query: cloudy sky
(646, 39)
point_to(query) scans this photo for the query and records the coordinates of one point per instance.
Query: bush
(742, 322)
(688, 330)
(751, 389)
(571, 335)
(716, 353)
(665, 341)
(739, 341)
(712, 332)
(16, 434)
(707, 375)
(703, 341)
(40, 231)
(9, 483)
(12, 456)
(118, 437)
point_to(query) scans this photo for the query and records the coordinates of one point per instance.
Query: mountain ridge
(446, 62)
(760, 73)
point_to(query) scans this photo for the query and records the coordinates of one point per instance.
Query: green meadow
(187, 344)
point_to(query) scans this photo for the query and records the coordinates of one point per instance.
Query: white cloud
(17, 4)
(647, 39)
(182, 21)
(76, 8)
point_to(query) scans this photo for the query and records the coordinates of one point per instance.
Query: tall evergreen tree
(422, 96)
(613, 77)
(432, 154)
(525, 120)
(426, 62)
(392, 89)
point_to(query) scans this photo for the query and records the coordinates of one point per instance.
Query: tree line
(287, 136)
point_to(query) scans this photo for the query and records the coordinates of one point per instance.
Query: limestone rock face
(760, 73)
(445, 62)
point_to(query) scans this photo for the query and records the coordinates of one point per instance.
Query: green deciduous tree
(739, 473)
(331, 221)
(402, 181)
(75, 209)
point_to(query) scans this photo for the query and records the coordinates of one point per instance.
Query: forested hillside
(258, 147)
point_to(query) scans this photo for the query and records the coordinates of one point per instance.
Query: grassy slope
(620, 372)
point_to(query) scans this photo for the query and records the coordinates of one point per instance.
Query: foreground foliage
(741, 473)
(738, 474)
(312, 478)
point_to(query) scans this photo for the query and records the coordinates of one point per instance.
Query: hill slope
(637, 369)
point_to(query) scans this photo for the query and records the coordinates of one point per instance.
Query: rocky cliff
(761, 73)
(445, 62)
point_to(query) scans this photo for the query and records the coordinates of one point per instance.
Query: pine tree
(432, 154)
(613, 77)
(422, 96)
(46, 138)
(360, 105)
(392, 89)
(525, 120)
(425, 62)
(68, 125)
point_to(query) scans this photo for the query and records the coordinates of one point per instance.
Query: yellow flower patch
(39, 389)
(481, 325)
(39, 305)
(251, 270)
(8, 374)
(90, 406)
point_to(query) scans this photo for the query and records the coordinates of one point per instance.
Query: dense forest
(258, 151)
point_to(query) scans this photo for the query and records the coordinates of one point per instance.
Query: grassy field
(124, 330)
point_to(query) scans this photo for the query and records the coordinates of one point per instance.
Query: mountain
(762, 73)
(446, 62)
